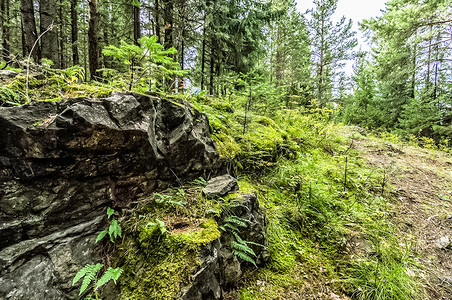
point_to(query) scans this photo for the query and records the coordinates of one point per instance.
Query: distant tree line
(295, 58)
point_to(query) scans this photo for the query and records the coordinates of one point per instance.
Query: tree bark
(29, 29)
(93, 42)
(61, 34)
(136, 24)
(49, 41)
(74, 32)
(168, 18)
(4, 10)
(212, 63)
(157, 22)
(203, 53)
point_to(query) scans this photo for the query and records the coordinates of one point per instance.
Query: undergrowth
(319, 196)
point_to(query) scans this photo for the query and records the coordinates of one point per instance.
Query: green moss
(226, 145)
(157, 266)
(85, 90)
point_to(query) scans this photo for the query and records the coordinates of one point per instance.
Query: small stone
(442, 243)
(220, 186)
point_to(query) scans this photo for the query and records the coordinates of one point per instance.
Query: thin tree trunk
(4, 23)
(212, 63)
(203, 53)
(74, 32)
(29, 32)
(136, 24)
(93, 42)
(157, 22)
(322, 37)
(168, 18)
(49, 41)
(61, 33)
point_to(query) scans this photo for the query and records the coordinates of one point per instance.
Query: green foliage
(10, 97)
(159, 225)
(114, 230)
(110, 274)
(89, 274)
(146, 62)
(89, 271)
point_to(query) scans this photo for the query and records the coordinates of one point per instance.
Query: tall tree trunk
(157, 21)
(74, 32)
(49, 41)
(320, 73)
(61, 34)
(4, 23)
(136, 24)
(203, 53)
(212, 64)
(168, 20)
(29, 29)
(279, 56)
(93, 41)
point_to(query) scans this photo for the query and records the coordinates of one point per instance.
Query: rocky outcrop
(62, 164)
(220, 268)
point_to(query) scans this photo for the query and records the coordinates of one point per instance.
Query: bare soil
(419, 182)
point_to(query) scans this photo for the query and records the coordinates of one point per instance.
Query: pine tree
(332, 45)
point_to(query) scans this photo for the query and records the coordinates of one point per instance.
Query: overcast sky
(357, 10)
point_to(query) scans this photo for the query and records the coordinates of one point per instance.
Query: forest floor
(420, 183)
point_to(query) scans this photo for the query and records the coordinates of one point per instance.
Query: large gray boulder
(62, 164)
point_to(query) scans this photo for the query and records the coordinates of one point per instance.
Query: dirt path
(420, 182)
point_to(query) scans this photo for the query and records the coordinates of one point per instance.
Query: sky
(357, 10)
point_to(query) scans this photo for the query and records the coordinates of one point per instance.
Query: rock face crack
(62, 164)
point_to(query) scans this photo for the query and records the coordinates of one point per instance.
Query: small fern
(238, 221)
(160, 225)
(114, 230)
(110, 274)
(89, 274)
(230, 226)
(200, 181)
(244, 257)
(239, 247)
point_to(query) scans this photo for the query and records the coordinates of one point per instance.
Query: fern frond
(238, 238)
(114, 230)
(255, 244)
(88, 273)
(242, 248)
(110, 274)
(244, 257)
(110, 211)
(101, 235)
(238, 221)
(230, 226)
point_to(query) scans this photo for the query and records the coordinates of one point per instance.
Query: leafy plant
(114, 230)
